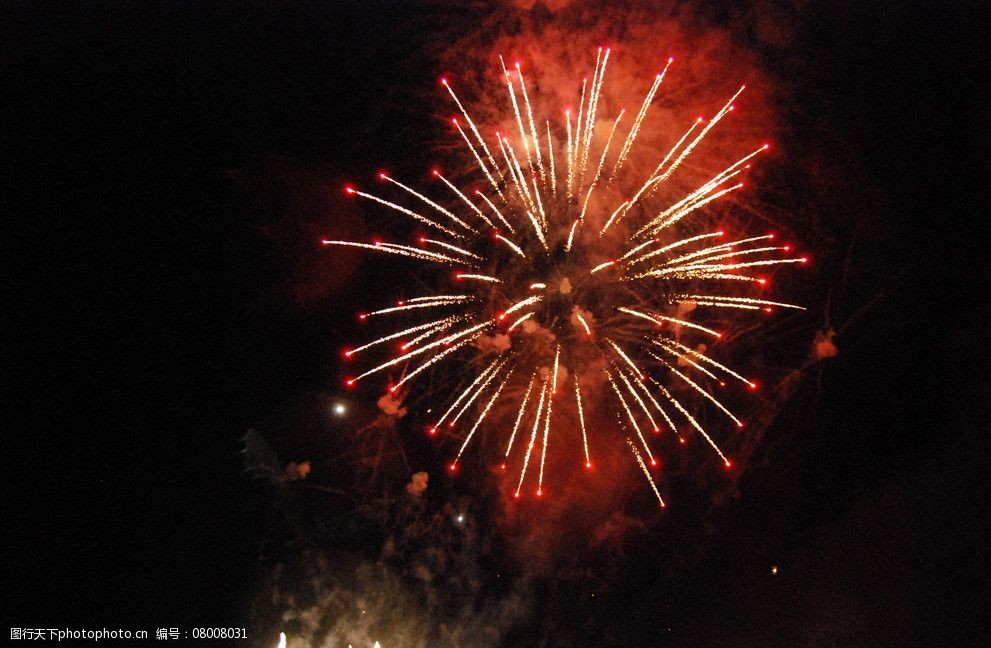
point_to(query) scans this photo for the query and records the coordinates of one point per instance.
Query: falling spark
(520, 321)
(643, 466)
(478, 277)
(526, 238)
(512, 246)
(428, 202)
(571, 235)
(464, 199)
(533, 438)
(581, 320)
(547, 428)
(453, 248)
(629, 412)
(495, 210)
(557, 358)
(412, 253)
(658, 319)
(601, 266)
(482, 416)
(581, 420)
(409, 212)
(519, 416)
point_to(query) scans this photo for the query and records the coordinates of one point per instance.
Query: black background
(153, 318)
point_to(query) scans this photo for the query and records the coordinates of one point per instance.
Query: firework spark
(565, 258)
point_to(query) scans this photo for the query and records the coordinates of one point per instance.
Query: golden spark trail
(593, 105)
(543, 449)
(429, 202)
(704, 358)
(400, 250)
(639, 400)
(602, 266)
(724, 266)
(414, 329)
(691, 419)
(715, 248)
(519, 173)
(705, 130)
(418, 253)
(433, 360)
(612, 217)
(453, 248)
(646, 472)
(426, 298)
(625, 358)
(657, 405)
(419, 304)
(736, 253)
(471, 125)
(550, 155)
(578, 124)
(682, 358)
(519, 321)
(478, 277)
(519, 416)
(481, 164)
(674, 218)
(581, 420)
(540, 204)
(633, 251)
(729, 172)
(571, 235)
(516, 110)
(654, 179)
(635, 128)
(571, 176)
(521, 304)
(399, 208)
(484, 413)
(537, 286)
(495, 210)
(657, 318)
(557, 357)
(533, 438)
(687, 202)
(533, 127)
(602, 161)
(467, 390)
(584, 126)
(581, 319)
(515, 248)
(465, 200)
(423, 336)
(709, 396)
(742, 300)
(538, 229)
(629, 414)
(448, 340)
(478, 392)
(674, 148)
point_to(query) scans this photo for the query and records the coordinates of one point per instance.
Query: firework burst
(561, 291)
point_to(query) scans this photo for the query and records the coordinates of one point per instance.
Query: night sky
(179, 163)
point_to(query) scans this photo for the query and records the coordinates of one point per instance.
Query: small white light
(339, 409)
(461, 518)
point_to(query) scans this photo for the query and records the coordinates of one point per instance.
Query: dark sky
(160, 310)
